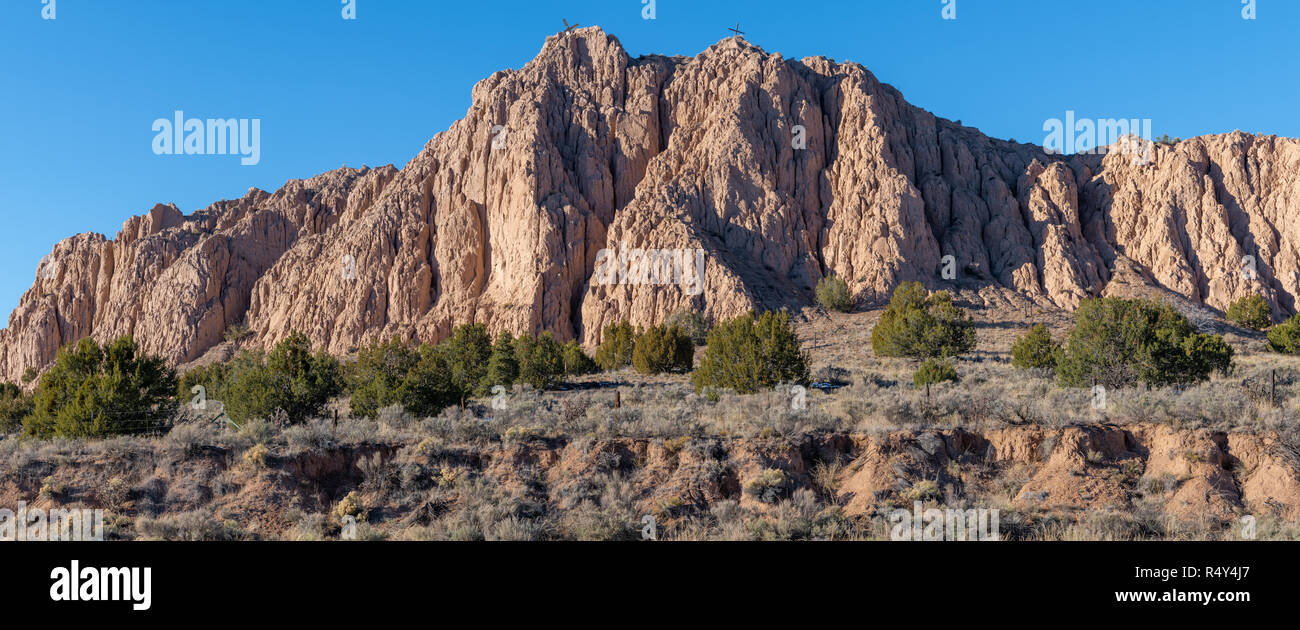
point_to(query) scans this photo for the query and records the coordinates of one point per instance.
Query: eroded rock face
(1190, 475)
(175, 283)
(777, 172)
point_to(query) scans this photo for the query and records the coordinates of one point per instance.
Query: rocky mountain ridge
(780, 171)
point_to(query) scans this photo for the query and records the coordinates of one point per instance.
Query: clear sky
(79, 93)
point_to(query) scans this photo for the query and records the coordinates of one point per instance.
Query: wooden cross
(569, 28)
(737, 31)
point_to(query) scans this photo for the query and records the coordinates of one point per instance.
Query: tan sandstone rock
(778, 172)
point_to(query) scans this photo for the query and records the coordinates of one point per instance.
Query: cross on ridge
(737, 31)
(569, 29)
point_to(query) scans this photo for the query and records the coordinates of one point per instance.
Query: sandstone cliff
(780, 171)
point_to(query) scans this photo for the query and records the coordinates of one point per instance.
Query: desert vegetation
(692, 323)
(1035, 350)
(1116, 342)
(750, 353)
(933, 372)
(616, 347)
(15, 404)
(527, 438)
(1251, 312)
(663, 349)
(94, 391)
(833, 294)
(922, 325)
(1285, 337)
(291, 383)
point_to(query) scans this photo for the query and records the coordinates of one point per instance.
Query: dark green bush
(467, 352)
(211, 377)
(429, 388)
(95, 391)
(1250, 312)
(1035, 350)
(663, 349)
(921, 326)
(1285, 337)
(427, 379)
(1120, 342)
(419, 379)
(833, 294)
(751, 352)
(934, 371)
(503, 366)
(202, 385)
(616, 344)
(541, 360)
(576, 361)
(290, 379)
(380, 375)
(15, 404)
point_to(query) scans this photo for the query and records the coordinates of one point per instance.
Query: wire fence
(114, 423)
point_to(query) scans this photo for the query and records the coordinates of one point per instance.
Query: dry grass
(481, 474)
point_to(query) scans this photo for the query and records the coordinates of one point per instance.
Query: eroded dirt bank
(1142, 480)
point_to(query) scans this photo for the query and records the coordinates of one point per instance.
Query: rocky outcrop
(175, 283)
(1190, 475)
(584, 188)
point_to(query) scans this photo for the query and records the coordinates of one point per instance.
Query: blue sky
(78, 94)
